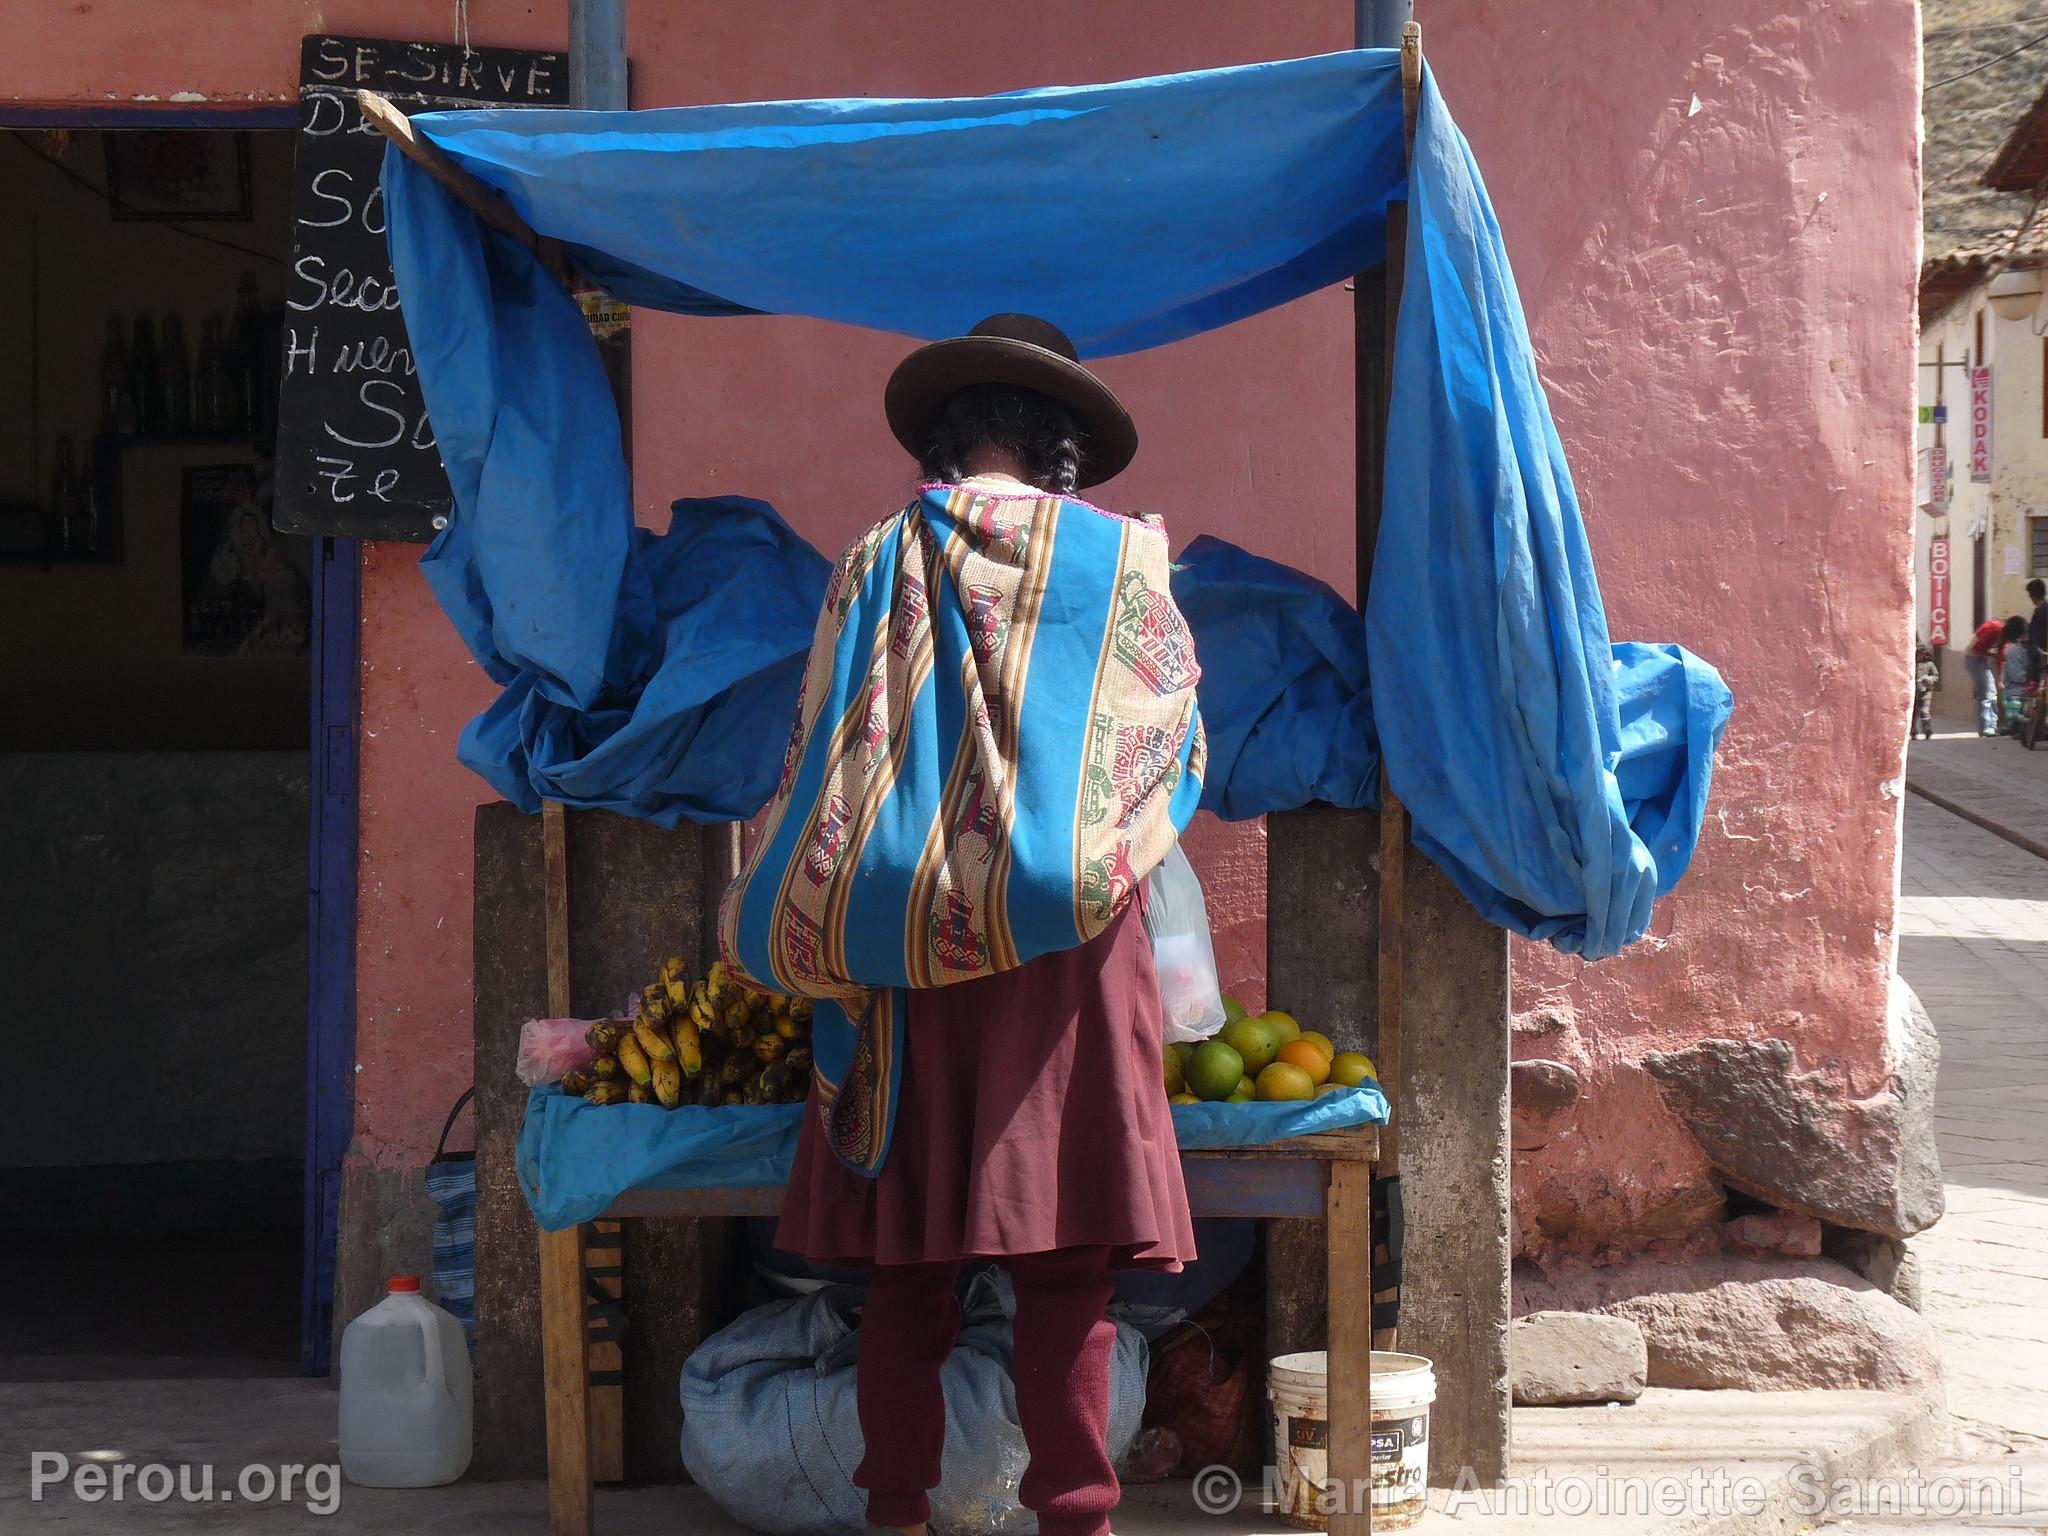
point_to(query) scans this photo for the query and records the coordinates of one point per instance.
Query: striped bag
(451, 1185)
(996, 740)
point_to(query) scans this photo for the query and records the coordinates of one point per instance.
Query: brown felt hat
(1020, 350)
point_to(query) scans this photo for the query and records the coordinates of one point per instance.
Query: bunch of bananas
(712, 1041)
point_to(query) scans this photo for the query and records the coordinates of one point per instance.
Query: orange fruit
(1243, 1093)
(1233, 1010)
(1284, 1081)
(1331, 1087)
(1318, 1037)
(1170, 1061)
(1183, 1098)
(1308, 1057)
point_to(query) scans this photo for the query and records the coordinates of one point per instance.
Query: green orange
(1283, 1024)
(1213, 1070)
(1350, 1068)
(1254, 1040)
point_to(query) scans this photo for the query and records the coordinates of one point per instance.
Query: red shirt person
(1981, 662)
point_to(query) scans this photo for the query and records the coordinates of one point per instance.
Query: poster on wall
(1980, 425)
(1937, 592)
(247, 589)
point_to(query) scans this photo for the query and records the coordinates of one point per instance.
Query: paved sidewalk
(1973, 942)
(1997, 784)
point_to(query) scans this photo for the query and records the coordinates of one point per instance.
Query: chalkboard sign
(355, 451)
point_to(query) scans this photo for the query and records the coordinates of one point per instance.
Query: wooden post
(565, 1353)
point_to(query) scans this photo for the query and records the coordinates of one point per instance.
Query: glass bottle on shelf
(66, 525)
(142, 374)
(211, 390)
(117, 386)
(174, 378)
(245, 352)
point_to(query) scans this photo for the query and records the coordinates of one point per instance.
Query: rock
(1885, 1262)
(1543, 1097)
(1775, 1232)
(1798, 1140)
(1915, 1050)
(1576, 1357)
(1775, 1324)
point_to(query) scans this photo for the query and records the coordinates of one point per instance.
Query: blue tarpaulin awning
(1559, 779)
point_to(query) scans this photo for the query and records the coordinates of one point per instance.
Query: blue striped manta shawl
(995, 741)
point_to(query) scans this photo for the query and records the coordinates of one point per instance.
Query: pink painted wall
(1722, 305)
(1730, 358)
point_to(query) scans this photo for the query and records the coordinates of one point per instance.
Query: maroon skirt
(1032, 1116)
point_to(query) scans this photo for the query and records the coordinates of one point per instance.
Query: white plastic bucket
(1403, 1387)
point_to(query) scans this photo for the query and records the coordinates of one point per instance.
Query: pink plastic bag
(550, 1047)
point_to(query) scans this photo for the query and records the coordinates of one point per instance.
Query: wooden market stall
(1351, 922)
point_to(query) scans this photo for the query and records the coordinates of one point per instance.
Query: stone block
(1576, 1357)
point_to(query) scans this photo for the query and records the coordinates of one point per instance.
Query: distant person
(2037, 628)
(1926, 678)
(1981, 662)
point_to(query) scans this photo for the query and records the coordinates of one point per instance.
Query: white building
(1981, 531)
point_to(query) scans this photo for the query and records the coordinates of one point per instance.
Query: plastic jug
(405, 1393)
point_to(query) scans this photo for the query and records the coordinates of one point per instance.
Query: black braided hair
(1011, 420)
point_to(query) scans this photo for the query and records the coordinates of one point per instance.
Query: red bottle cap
(404, 1283)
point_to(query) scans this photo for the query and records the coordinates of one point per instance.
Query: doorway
(159, 637)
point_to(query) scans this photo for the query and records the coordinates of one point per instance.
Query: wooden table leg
(1348, 1222)
(604, 1269)
(565, 1368)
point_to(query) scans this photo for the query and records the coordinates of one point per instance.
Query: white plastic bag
(1177, 922)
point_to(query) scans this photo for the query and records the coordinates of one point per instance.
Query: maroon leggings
(1063, 1344)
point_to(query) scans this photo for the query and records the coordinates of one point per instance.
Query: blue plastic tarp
(1557, 778)
(575, 1158)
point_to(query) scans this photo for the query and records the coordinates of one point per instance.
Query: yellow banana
(654, 1003)
(639, 1093)
(689, 1046)
(605, 1068)
(769, 1046)
(603, 1036)
(576, 1083)
(674, 969)
(634, 1060)
(610, 1091)
(668, 1084)
(653, 1039)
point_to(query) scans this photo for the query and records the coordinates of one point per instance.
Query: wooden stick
(487, 203)
(1411, 80)
(1347, 1218)
(1393, 814)
(601, 1409)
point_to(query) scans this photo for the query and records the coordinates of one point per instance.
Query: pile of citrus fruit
(1263, 1056)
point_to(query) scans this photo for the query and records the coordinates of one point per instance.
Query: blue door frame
(332, 834)
(330, 928)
